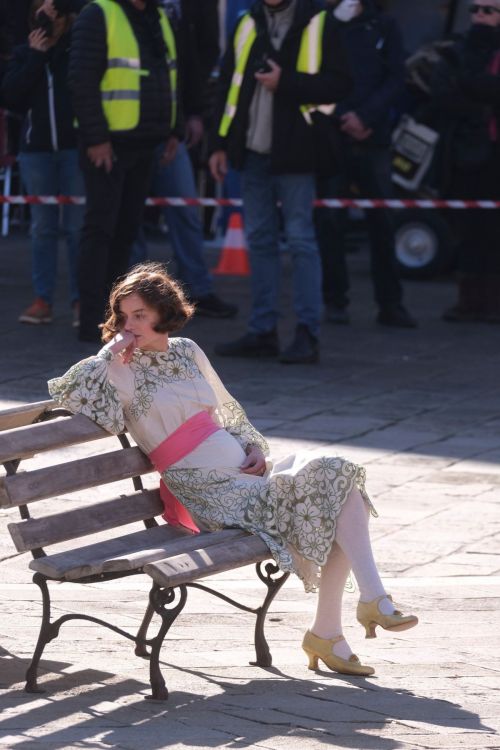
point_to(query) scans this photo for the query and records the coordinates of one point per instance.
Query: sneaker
(210, 306)
(396, 317)
(251, 345)
(75, 307)
(337, 315)
(38, 312)
(303, 350)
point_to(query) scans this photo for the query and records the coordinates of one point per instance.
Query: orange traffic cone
(234, 257)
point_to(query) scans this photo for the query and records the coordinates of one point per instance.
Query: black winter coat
(293, 147)
(376, 55)
(36, 85)
(88, 61)
(465, 100)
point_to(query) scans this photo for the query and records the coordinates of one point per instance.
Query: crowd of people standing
(112, 95)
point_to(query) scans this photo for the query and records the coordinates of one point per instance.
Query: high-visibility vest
(121, 83)
(309, 61)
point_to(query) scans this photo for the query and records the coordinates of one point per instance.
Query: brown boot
(472, 304)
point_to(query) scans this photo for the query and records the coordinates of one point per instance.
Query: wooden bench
(174, 558)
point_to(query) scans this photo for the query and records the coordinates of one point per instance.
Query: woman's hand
(123, 343)
(254, 463)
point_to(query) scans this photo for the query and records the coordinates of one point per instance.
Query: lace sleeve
(85, 389)
(229, 413)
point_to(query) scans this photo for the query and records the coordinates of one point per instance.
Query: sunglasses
(488, 10)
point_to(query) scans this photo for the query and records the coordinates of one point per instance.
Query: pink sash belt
(180, 443)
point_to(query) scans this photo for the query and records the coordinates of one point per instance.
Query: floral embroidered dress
(293, 508)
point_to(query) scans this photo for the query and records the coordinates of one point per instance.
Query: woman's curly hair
(158, 290)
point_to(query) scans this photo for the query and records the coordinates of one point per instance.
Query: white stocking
(351, 549)
(354, 539)
(328, 618)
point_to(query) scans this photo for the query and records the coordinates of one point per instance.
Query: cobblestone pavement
(421, 410)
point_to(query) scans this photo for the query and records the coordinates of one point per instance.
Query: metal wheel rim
(416, 245)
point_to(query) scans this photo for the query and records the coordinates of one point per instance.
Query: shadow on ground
(249, 712)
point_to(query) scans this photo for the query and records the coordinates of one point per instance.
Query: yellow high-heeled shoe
(321, 648)
(369, 615)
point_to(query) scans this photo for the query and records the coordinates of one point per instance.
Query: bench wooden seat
(92, 529)
(203, 560)
(126, 553)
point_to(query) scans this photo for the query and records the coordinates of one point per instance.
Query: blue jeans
(185, 227)
(53, 173)
(261, 190)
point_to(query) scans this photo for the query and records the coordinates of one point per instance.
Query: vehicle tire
(424, 242)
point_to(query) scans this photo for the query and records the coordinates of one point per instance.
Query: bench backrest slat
(79, 522)
(23, 488)
(23, 414)
(23, 442)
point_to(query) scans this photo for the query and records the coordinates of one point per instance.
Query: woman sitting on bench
(311, 512)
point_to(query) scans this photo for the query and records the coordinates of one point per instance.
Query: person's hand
(102, 156)
(194, 131)
(169, 151)
(218, 165)
(39, 40)
(254, 463)
(352, 125)
(270, 80)
(123, 343)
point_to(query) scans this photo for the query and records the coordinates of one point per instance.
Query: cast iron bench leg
(262, 652)
(159, 600)
(47, 633)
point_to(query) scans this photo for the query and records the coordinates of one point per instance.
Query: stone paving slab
(415, 408)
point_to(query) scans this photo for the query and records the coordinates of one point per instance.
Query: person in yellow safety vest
(283, 62)
(123, 76)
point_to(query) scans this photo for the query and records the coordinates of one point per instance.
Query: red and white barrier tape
(365, 203)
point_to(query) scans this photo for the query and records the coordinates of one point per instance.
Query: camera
(44, 22)
(262, 65)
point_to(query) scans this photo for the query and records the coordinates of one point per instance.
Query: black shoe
(210, 306)
(396, 317)
(251, 345)
(337, 315)
(303, 350)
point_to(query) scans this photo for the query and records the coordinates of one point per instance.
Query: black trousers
(478, 229)
(369, 168)
(114, 211)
